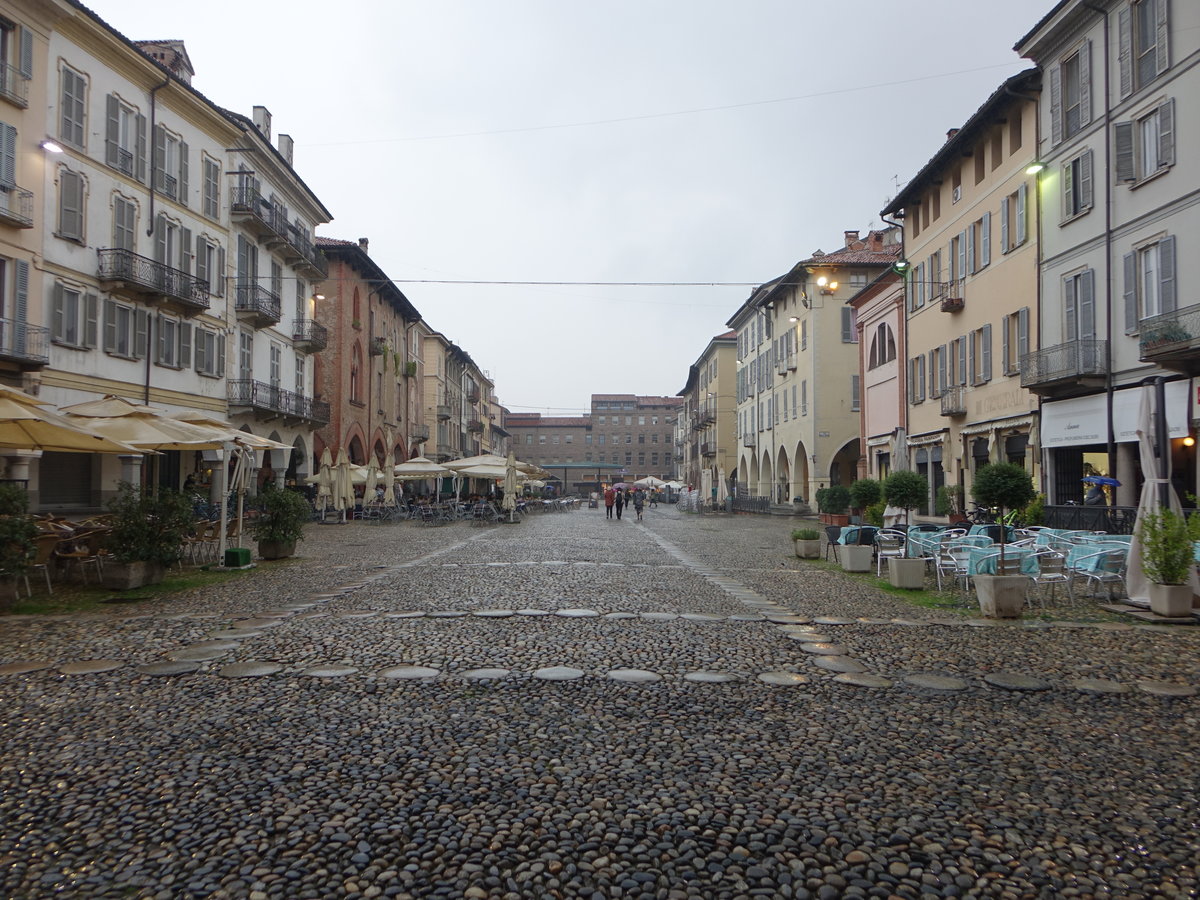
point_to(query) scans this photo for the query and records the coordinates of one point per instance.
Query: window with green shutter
(73, 105)
(70, 205)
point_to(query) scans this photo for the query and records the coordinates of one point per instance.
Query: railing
(1112, 519)
(475, 425)
(123, 160)
(310, 332)
(378, 346)
(418, 433)
(1170, 335)
(16, 206)
(472, 395)
(791, 362)
(14, 87)
(750, 440)
(247, 200)
(168, 184)
(746, 503)
(1062, 362)
(445, 451)
(260, 396)
(24, 343)
(152, 276)
(707, 448)
(443, 411)
(954, 401)
(706, 414)
(252, 297)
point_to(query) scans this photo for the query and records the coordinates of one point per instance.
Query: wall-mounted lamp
(793, 319)
(51, 146)
(901, 267)
(826, 286)
(318, 296)
(1035, 167)
(1189, 441)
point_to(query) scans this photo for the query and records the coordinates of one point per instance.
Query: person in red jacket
(610, 497)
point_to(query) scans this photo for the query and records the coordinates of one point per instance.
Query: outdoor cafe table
(982, 560)
(1089, 555)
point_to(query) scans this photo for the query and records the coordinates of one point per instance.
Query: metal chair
(1105, 567)
(80, 550)
(1052, 570)
(43, 559)
(888, 545)
(951, 563)
(833, 533)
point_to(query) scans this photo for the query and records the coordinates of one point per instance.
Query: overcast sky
(618, 141)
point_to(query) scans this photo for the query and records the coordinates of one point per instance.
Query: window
(628, 421)
(124, 138)
(210, 352)
(629, 438)
(883, 346)
(804, 398)
(73, 317)
(1079, 308)
(541, 439)
(170, 164)
(125, 330)
(979, 244)
(641, 438)
(1014, 132)
(356, 375)
(70, 205)
(855, 393)
(1071, 94)
(654, 438)
(245, 355)
(210, 268)
(979, 346)
(587, 439)
(277, 282)
(849, 325)
(1015, 340)
(1149, 282)
(654, 420)
(172, 244)
(528, 439)
(1077, 185)
(1146, 146)
(958, 256)
(628, 459)
(997, 147)
(1142, 30)
(603, 420)
(73, 106)
(804, 334)
(554, 439)
(641, 420)
(300, 386)
(211, 203)
(980, 163)
(641, 459)
(654, 459)
(124, 224)
(961, 362)
(174, 343)
(568, 438)
(16, 58)
(916, 379)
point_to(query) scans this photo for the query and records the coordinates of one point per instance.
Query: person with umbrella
(620, 503)
(1095, 492)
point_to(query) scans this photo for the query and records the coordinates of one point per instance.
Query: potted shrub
(1167, 559)
(146, 535)
(833, 501)
(280, 524)
(948, 503)
(17, 533)
(1005, 486)
(808, 543)
(906, 490)
(864, 493)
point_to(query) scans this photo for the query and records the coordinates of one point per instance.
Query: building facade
(635, 433)
(883, 418)
(709, 414)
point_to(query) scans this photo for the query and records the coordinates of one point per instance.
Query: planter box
(276, 549)
(855, 558)
(127, 576)
(906, 573)
(1171, 600)
(1001, 596)
(808, 549)
(835, 519)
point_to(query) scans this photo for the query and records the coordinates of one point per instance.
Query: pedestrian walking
(639, 500)
(620, 503)
(610, 497)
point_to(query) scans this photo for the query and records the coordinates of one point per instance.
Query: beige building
(970, 308)
(457, 397)
(708, 439)
(798, 389)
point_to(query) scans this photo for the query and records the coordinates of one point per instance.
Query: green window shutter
(160, 344)
(1071, 307)
(160, 238)
(90, 312)
(202, 338)
(987, 352)
(183, 172)
(70, 211)
(185, 344)
(217, 279)
(1004, 247)
(220, 368)
(1162, 56)
(1085, 84)
(1129, 264)
(1022, 334)
(1087, 306)
(962, 360)
(141, 333)
(112, 134)
(1056, 115)
(985, 240)
(201, 259)
(8, 155)
(1166, 274)
(110, 326)
(160, 156)
(21, 291)
(185, 250)
(140, 149)
(1085, 179)
(971, 359)
(1005, 349)
(57, 323)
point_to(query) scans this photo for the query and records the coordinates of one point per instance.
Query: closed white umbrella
(510, 487)
(324, 481)
(343, 484)
(371, 480)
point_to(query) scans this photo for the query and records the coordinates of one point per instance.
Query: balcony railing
(749, 440)
(16, 206)
(1065, 369)
(248, 205)
(310, 335)
(378, 346)
(147, 276)
(444, 451)
(706, 414)
(14, 87)
(474, 425)
(418, 433)
(310, 256)
(271, 401)
(443, 411)
(472, 395)
(708, 448)
(255, 301)
(1172, 340)
(954, 401)
(26, 345)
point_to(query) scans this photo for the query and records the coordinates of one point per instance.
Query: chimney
(286, 147)
(262, 121)
(363, 244)
(951, 133)
(851, 239)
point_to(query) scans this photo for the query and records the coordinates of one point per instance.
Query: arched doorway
(766, 477)
(297, 465)
(358, 456)
(844, 465)
(380, 453)
(783, 478)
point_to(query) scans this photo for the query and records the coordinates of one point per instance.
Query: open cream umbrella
(491, 459)
(481, 471)
(146, 427)
(650, 482)
(419, 467)
(27, 423)
(245, 438)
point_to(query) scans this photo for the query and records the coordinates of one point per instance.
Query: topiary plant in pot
(1005, 486)
(146, 536)
(282, 515)
(864, 493)
(833, 501)
(906, 490)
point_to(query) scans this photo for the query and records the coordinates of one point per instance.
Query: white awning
(923, 440)
(1084, 420)
(879, 441)
(985, 427)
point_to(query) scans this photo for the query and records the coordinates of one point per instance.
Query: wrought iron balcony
(255, 302)
(472, 394)
(24, 344)
(706, 414)
(267, 401)
(708, 448)
(1172, 340)
(444, 452)
(475, 425)
(248, 206)
(309, 335)
(954, 401)
(443, 411)
(749, 439)
(950, 293)
(141, 275)
(418, 433)
(1065, 370)
(16, 206)
(14, 87)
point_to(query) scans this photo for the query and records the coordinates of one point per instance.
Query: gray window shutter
(201, 259)
(933, 387)
(1022, 206)
(1087, 306)
(962, 255)
(1085, 179)
(1022, 334)
(1131, 304)
(220, 367)
(160, 344)
(987, 352)
(962, 359)
(971, 359)
(970, 251)
(141, 333)
(1161, 48)
(1056, 123)
(26, 50)
(201, 348)
(8, 155)
(912, 394)
(185, 344)
(1166, 274)
(160, 156)
(1071, 307)
(21, 292)
(217, 279)
(1068, 189)
(1166, 133)
(943, 383)
(140, 150)
(57, 317)
(846, 325)
(1006, 365)
(1123, 148)
(855, 394)
(920, 379)
(90, 313)
(183, 173)
(1085, 84)
(112, 135)
(185, 249)
(1125, 49)
(70, 204)
(1004, 245)
(985, 240)
(110, 326)
(160, 238)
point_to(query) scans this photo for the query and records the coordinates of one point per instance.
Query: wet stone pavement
(576, 707)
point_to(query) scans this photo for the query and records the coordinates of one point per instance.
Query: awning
(1084, 420)
(923, 440)
(879, 441)
(985, 427)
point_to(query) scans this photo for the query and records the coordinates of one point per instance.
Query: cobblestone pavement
(576, 707)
